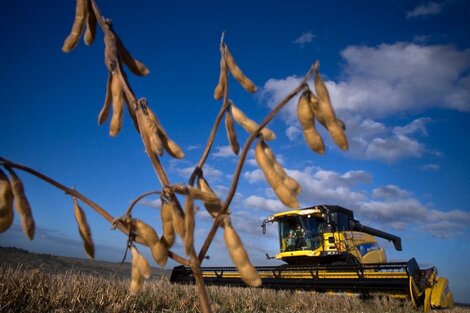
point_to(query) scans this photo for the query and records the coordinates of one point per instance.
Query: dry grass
(39, 291)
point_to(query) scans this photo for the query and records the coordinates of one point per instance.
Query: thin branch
(87, 201)
(161, 174)
(98, 15)
(130, 95)
(215, 127)
(241, 161)
(136, 200)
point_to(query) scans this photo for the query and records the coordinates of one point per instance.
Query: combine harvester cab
(327, 235)
(325, 249)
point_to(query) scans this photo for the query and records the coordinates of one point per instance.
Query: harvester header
(327, 250)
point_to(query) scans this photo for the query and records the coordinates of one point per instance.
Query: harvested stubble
(36, 291)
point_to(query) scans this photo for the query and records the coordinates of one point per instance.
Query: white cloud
(389, 191)
(382, 82)
(318, 186)
(418, 125)
(393, 210)
(373, 140)
(293, 132)
(275, 90)
(443, 229)
(194, 147)
(430, 167)
(209, 172)
(454, 215)
(409, 213)
(304, 38)
(430, 8)
(251, 161)
(379, 82)
(369, 127)
(223, 152)
(253, 176)
(348, 179)
(394, 148)
(263, 204)
(389, 206)
(247, 223)
(156, 203)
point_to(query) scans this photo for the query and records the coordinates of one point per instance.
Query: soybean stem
(215, 127)
(241, 161)
(136, 200)
(87, 201)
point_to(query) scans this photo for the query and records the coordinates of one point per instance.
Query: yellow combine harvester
(326, 250)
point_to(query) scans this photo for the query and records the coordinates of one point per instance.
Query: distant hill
(15, 257)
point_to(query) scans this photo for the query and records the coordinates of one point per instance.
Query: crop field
(38, 290)
(33, 282)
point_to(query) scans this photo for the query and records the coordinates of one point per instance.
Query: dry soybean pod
(167, 224)
(148, 128)
(22, 204)
(144, 231)
(90, 30)
(222, 84)
(160, 252)
(136, 67)
(6, 203)
(249, 125)
(189, 223)
(141, 262)
(177, 216)
(325, 113)
(80, 14)
(239, 256)
(155, 140)
(118, 106)
(137, 279)
(170, 146)
(196, 193)
(286, 195)
(339, 137)
(341, 124)
(231, 134)
(212, 207)
(291, 183)
(237, 72)
(306, 117)
(142, 129)
(104, 113)
(210, 197)
(84, 229)
(111, 55)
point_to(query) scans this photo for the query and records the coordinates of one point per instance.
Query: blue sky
(398, 73)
